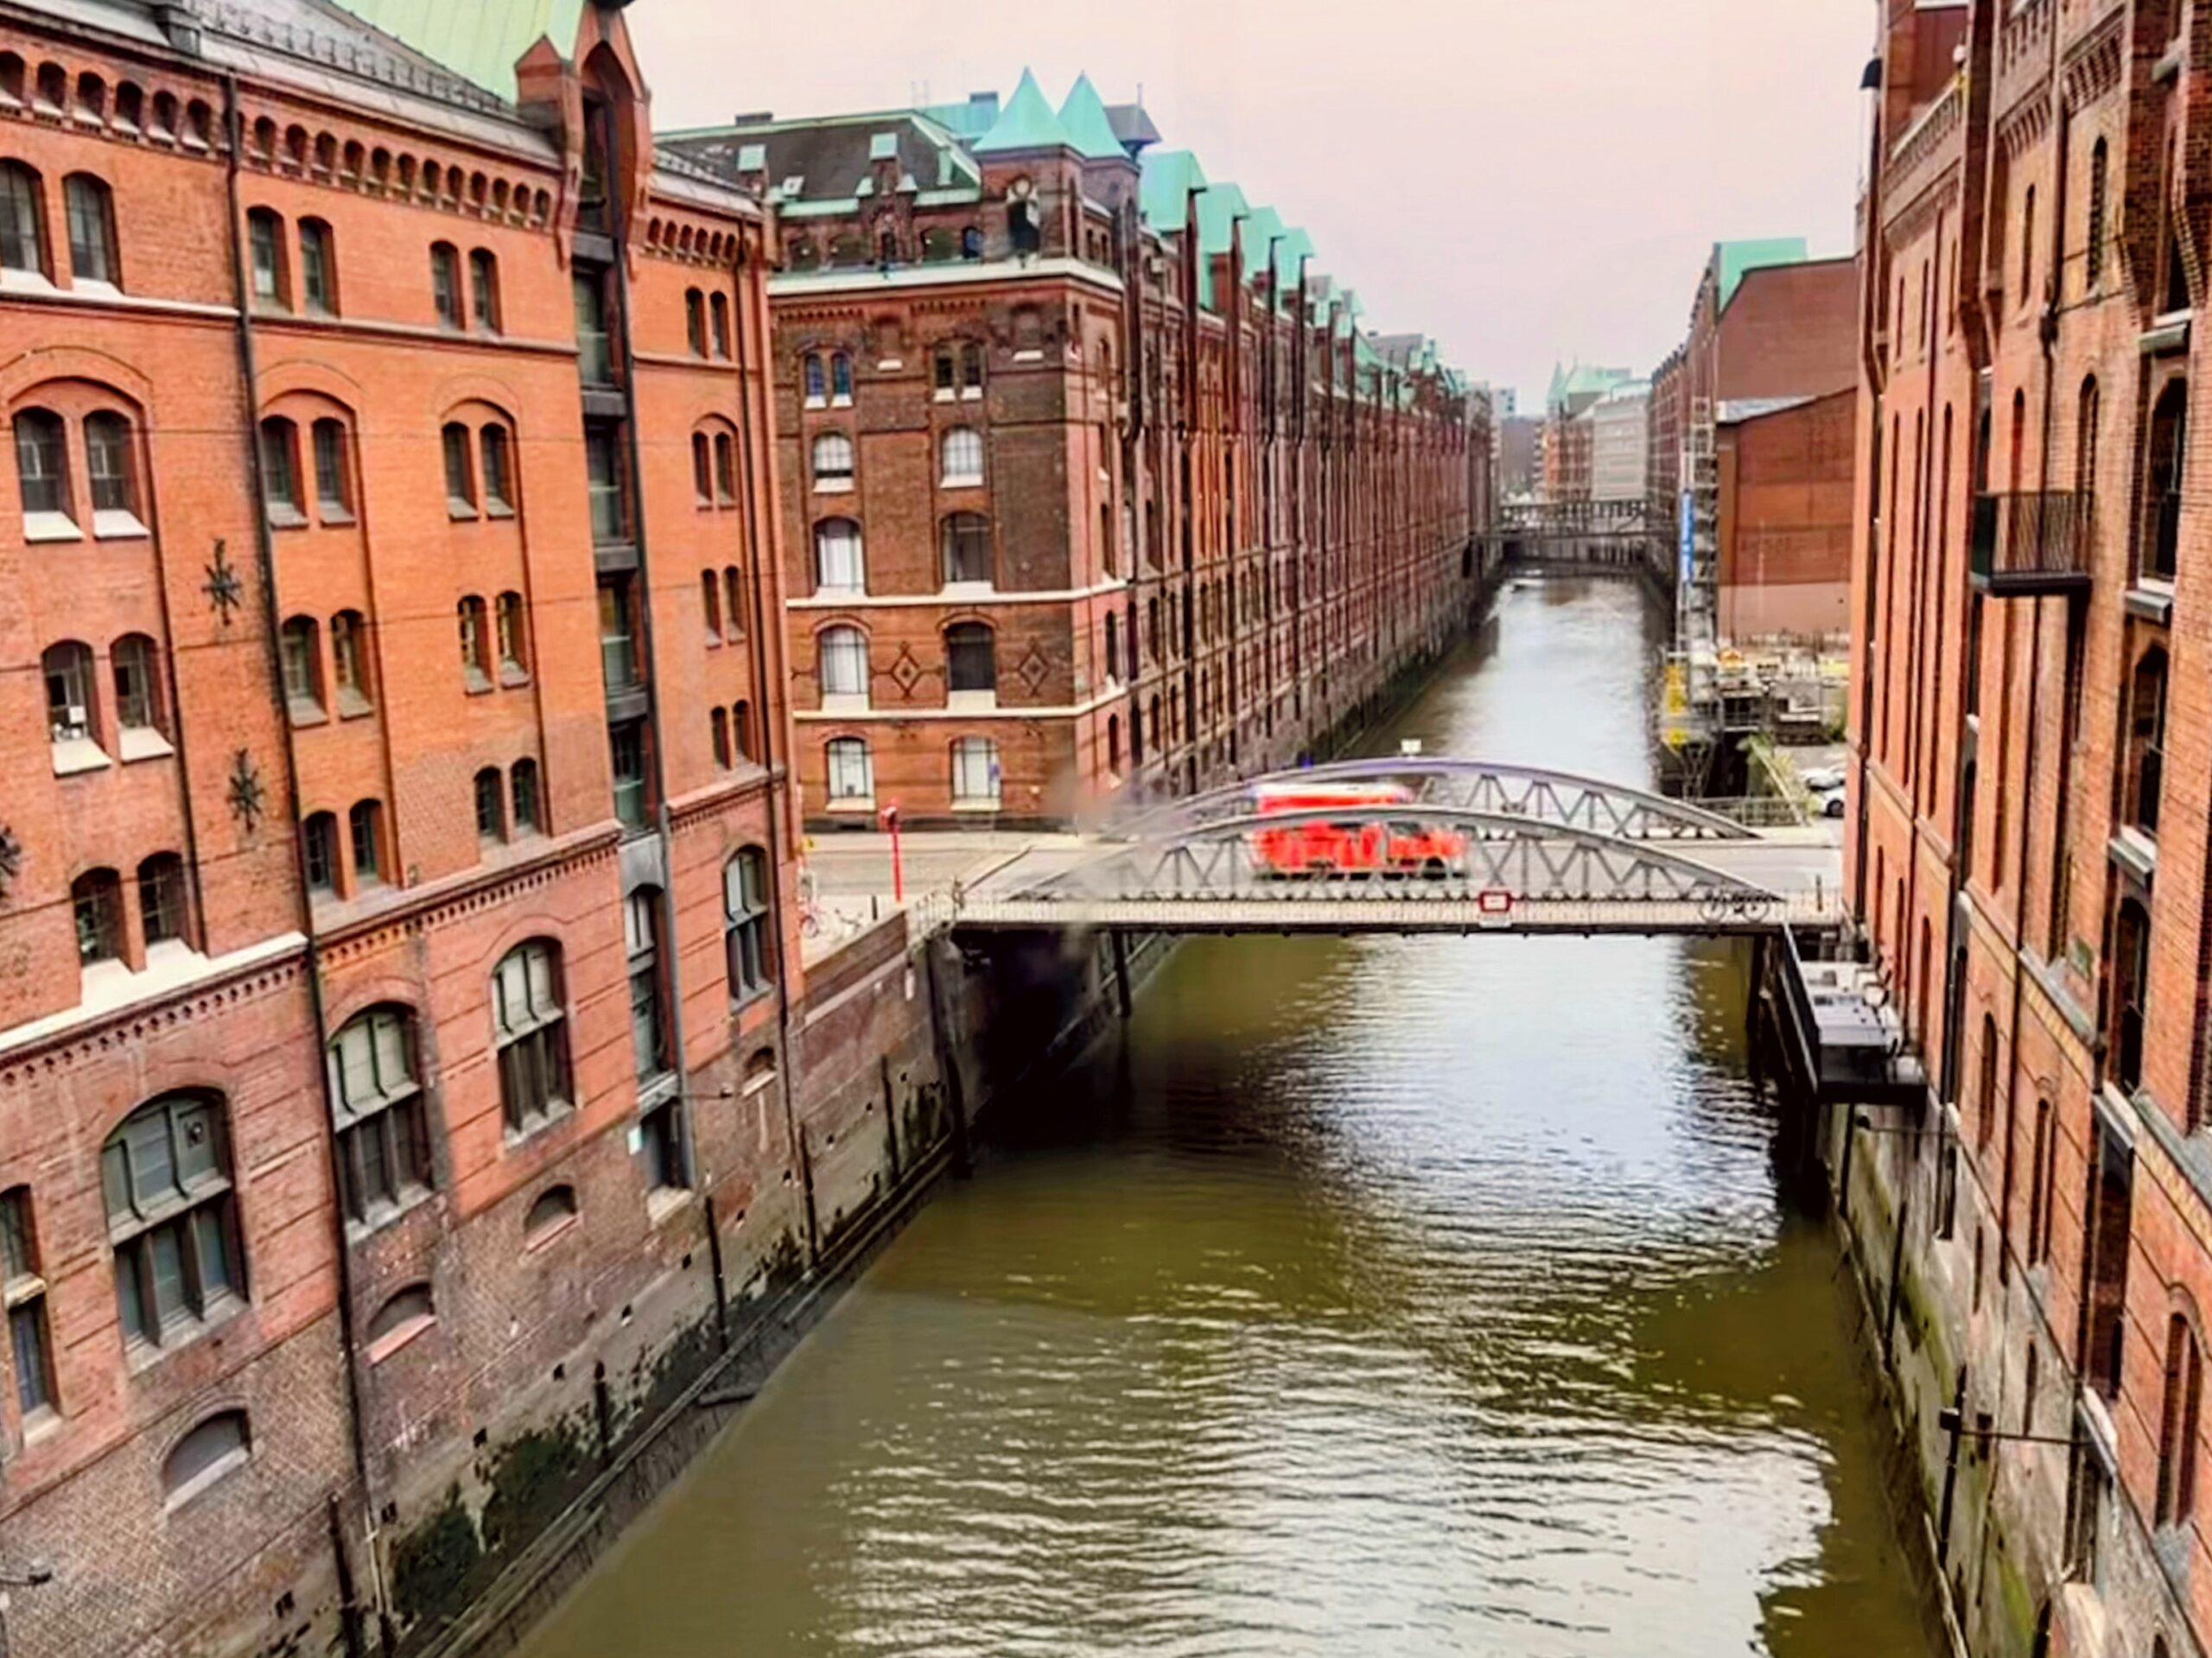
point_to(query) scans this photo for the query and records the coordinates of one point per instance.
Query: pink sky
(1524, 182)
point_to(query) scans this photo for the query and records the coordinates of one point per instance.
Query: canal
(1390, 1297)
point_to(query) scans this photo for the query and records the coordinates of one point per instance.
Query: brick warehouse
(2031, 718)
(1096, 485)
(397, 883)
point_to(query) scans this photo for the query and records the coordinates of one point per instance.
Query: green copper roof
(1170, 175)
(1084, 118)
(1733, 260)
(1219, 208)
(1027, 123)
(1295, 245)
(478, 40)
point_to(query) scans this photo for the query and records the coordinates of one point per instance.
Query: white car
(1823, 778)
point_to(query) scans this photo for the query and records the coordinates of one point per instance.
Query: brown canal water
(1388, 1297)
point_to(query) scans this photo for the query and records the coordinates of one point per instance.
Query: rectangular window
(663, 1144)
(268, 258)
(330, 492)
(107, 463)
(610, 518)
(320, 837)
(483, 290)
(41, 463)
(618, 651)
(641, 933)
(460, 484)
(976, 772)
(367, 823)
(498, 493)
(852, 776)
(23, 1284)
(594, 351)
(526, 793)
(161, 898)
(626, 744)
(280, 483)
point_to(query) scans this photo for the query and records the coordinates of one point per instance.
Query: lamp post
(890, 819)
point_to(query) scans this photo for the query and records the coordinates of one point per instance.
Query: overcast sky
(1525, 179)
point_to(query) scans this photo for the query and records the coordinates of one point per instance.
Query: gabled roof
(1169, 177)
(480, 40)
(1220, 206)
(1733, 261)
(1027, 123)
(1084, 120)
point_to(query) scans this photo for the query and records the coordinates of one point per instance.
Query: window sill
(855, 805)
(140, 1355)
(516, 1137)
(833, 486)
(500, 510)
(393, 1341)
(979, 808)
(2151, 599)
(207, 1478)
(816, 402)
(352, 705)
(73, 756)
(286, 517)
(51, 526)
(477, 684)
(331, 516)
(142, 743)
(459, 512)
(305, 714)
(664, 1204)
(974, 393)
(27, 281)
(942, 394)
(845, 402)
(961, 481)
(971, 702)
(115, 524)
(381, 1216)
(513, 674)
(968, 590)
(844, 702)
(41, 1425)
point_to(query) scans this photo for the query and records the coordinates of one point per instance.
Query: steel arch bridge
(1528, 794)
(1476, 848)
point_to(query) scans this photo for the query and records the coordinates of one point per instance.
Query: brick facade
(333, 503)
(2028, 724)
(1213, 514)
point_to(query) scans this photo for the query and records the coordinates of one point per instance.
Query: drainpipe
(350, 1611)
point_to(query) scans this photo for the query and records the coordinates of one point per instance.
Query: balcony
(2025, 546)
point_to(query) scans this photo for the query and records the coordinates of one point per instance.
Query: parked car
(1823, 778)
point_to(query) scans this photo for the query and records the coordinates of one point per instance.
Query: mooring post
(1122, 972)
(1897, 1284)
(1951, 1471)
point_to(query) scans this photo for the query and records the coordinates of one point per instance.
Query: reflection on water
(1393, 1297)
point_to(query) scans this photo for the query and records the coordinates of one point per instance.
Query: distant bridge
(1532, 851)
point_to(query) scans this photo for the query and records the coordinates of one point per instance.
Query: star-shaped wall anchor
(11, 858)
(246, 795)
(225, 588)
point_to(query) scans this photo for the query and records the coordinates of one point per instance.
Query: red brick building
(1767, 372)
(1096, 485)
(396, 920)
(2033, 777)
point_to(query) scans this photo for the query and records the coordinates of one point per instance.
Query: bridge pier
(1122, 998)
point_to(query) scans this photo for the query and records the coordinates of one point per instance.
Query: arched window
(963, 456)
(744, 924)
(404, 1316)
(838, 564)
(741, 730)
(366, 822)
(376, 1092)
(840, 378)
(530, 1029)
(2087, 416)
(2144, 779)
(843, 662)
(2095, 253)
(1112, 646)
(222, 1442)
(319, 845)
(280, 472)
(966, 544)
(42, 473)
(67, 670)
(702, 469)
(513, 639)
(461, 473)
(318, 268)
(971, 370)
(172, 1223)
(445, 283)
(852, 772)
(265, 251)
(802, 255)
(1021, 227)
(816, 385)
(833, 462)
(161, 900)
(90, 207)
(348, 662)
(495, 450)
(475, 645)
(971, 243)
(648, 1029)
(523, 786)
(695, 321)
(1113, 743)
(2166, 452)
(483, 290)
(2178, 1424)
(491, 806)
(552, 1212)
(333, 493)
(23, 243)
(733, 604)
(2131, 983)
(975, 779)
(725, 469)
(96, 905)
(718, 318)
(134, 663)
(710, 605)
(970, 658)
(718, 730)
